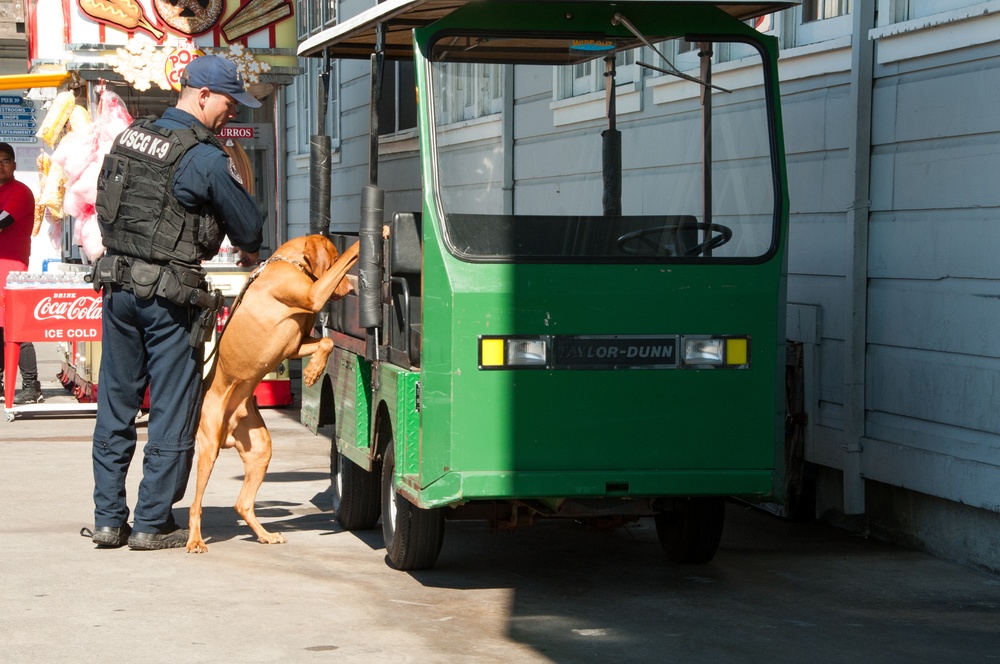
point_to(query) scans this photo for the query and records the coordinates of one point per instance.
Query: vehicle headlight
(513, 352)
(716, 351)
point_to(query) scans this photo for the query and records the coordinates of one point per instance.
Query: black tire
(690, 532)
(413, 535)
(355, 492)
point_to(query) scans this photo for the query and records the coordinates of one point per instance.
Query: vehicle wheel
(355, 492)
(412, 535)
(690, 533)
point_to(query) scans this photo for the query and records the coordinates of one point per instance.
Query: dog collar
(279, 257)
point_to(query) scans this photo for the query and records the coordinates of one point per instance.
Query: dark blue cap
(218, 74)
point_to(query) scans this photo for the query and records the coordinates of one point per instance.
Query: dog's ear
(319, 254)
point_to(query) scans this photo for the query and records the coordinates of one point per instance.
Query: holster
(209, 302)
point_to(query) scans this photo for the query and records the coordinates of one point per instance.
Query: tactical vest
(137, 211)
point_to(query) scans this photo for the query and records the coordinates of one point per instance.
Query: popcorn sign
(176, 61)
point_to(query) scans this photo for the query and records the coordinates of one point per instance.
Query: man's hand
(247, 258)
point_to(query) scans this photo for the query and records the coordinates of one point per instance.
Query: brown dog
(273, 321)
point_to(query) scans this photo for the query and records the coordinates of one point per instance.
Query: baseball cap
(218, 74)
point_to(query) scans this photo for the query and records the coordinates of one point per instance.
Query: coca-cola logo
(82, 308)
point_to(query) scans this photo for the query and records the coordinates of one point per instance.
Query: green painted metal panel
(407, 431)
(351, 376)
(615, 421)
(311, 400)
(459, 486)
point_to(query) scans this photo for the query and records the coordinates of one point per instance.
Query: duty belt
(176, 285)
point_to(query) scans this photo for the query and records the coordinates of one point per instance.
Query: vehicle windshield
(527, 166)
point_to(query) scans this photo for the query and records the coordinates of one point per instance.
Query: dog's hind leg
(254, 444)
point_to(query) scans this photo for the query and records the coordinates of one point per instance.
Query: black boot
(30, 393)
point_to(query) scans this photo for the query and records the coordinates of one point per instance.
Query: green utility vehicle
(585, 316)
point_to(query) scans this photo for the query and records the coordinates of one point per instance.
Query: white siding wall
(934, 294)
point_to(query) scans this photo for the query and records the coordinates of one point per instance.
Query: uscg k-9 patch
(146, 143)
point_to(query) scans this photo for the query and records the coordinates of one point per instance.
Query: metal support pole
(377, 66)
(612, 147)
(862, 78)
(705, 57)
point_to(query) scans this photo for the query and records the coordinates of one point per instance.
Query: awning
(355, 36)
(27, 81)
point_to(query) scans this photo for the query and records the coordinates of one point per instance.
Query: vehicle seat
(405, 262)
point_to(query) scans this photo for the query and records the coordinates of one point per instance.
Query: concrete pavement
(776, 592)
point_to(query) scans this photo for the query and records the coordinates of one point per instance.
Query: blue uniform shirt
(203, 176)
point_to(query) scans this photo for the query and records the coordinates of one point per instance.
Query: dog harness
(256, 273)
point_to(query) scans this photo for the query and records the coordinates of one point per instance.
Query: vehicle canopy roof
(356, 36)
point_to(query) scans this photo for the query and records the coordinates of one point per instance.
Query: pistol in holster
(209, 303)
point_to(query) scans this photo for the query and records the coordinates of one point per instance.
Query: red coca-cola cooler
(52, 312)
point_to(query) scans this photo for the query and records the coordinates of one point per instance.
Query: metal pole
(611, 147)
(705, 56)
(862, 81)
(377, 65)
(319, 160)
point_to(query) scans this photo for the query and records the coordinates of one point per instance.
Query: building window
(397, 108)
(818, 10)
(307, 99)
(686, 55)
(908, 10)
(821, 20)
(475, 91)
(587, 77)
(315, 15)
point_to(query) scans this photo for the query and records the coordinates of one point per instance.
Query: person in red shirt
(17, 217)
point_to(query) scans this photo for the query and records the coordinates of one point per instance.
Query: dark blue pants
(145, 342)
(28, 361)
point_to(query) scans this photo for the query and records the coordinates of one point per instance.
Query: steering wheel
(634, 241)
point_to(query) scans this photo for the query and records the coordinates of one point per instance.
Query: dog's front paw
(311, 374)
(197, 546)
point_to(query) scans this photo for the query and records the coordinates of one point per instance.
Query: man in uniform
(167, 195)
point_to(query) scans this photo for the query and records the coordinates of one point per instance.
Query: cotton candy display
(87, 234)
(68, 179)
(112, 120)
